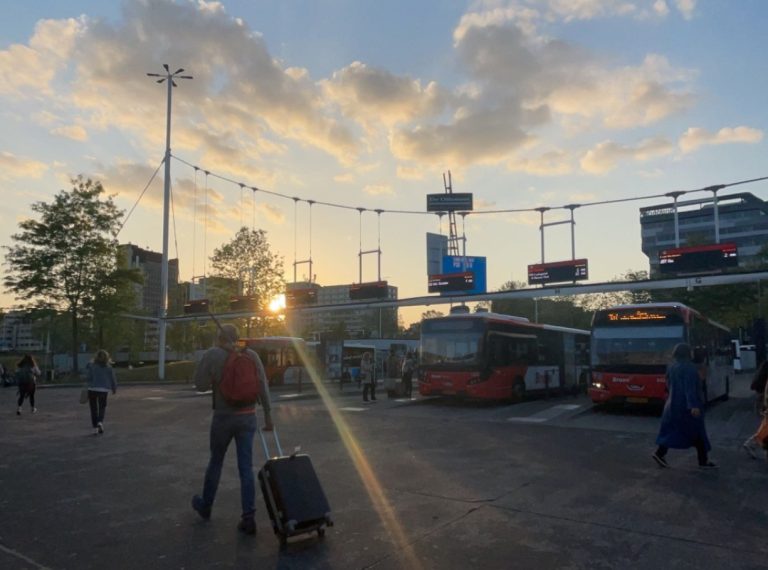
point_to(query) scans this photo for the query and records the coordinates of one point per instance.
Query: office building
(346, 323)
(742, 220)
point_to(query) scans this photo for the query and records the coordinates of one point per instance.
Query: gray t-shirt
(208, 375)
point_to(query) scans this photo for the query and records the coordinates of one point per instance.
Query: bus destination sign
(636, 315)
(698, 259)
(558, 272)
(464, 281)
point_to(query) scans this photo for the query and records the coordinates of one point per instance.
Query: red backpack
(240, 385)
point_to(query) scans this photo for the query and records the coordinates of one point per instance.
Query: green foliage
(62, 259)
(248, 259)
(562, 311)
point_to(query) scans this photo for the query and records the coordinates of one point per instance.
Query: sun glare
(277, 304)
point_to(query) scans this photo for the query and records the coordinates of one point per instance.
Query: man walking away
(238, 381)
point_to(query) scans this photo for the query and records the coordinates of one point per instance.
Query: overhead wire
(151, 178)
(477, 212)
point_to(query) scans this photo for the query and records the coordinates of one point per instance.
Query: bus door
(511, 357)
(570, 373)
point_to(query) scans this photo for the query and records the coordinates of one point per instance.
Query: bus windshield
(634, 347)
(451, 341)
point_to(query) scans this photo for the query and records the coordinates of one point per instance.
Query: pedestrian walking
(409, 366)
(682, 422)
(759, 440)
(238, 381)
(100, 380)
(368, 377)
(27, 373)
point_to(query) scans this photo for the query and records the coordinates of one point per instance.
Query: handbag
(83, 395)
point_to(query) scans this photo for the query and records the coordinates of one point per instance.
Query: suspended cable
(173, 215)
(194, 226)
(479, 212)
(151, 178)
(205, 237)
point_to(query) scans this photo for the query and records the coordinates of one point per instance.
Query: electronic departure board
(300, 297)
(372, 290)
(558, 272)
(196, 307)
(464, 281)
(698, 259)
(639, 316)
(242, 303)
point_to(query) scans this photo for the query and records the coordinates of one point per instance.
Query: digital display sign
(372, 290)
(449, 202)
(639, 316)
(698, 259)
(241, 303)
(464, 281)
(196, 307)
(558, 272)
(460, 265)
(300, 297)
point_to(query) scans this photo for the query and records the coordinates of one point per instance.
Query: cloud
(30, 69)
(373, 94)
(606, 155)
(379, 190)
(15, 167)
(694, 138)
(686, 8)
(551, 163)
(74, 132)
(239, 92)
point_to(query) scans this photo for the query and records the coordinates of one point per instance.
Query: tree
(60, 259)
(248, 259)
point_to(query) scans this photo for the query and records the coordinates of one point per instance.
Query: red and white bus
(281, 356)
(632, 347)
(496, 357)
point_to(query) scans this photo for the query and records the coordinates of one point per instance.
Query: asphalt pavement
(422, 483)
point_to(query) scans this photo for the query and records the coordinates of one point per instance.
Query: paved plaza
(413, 484)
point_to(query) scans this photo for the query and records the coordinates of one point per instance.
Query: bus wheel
(518, 389)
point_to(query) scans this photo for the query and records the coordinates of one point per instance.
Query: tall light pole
(169, 77)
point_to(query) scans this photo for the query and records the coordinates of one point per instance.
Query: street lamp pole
(169, 77)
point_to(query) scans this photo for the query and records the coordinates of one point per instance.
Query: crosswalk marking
(548, 414)
(353, 409)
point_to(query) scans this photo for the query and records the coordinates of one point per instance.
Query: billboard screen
(451, 282)
(455, 202)
(459, 264)
(372, 290)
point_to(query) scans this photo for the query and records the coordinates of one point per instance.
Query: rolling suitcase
(295, 499)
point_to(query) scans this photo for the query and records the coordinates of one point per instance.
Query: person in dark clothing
(27, 374)
(368, 377)
(682, 422)
(100, 378)
(756, 441)
(409, 366)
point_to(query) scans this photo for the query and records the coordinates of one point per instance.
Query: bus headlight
(598, 385)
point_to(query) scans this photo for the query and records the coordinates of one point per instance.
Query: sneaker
(18, 411)
(34, 410)
(100, 428)
(247, 525)
(709, 465)
(95, 431)
(660, 461)
(750, 447)
(199, 507)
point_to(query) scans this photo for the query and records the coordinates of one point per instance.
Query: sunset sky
(367, 103)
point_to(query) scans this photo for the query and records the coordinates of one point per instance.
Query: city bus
(281, 358)
(488, 356)
(632, 347)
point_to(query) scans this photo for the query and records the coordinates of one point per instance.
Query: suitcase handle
(266, 447)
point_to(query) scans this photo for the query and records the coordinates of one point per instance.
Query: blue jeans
(242, 428)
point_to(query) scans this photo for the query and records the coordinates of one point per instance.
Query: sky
(367, 104)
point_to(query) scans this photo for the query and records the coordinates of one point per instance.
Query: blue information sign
(459, 264)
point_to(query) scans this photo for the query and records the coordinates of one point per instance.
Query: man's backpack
(240, 385)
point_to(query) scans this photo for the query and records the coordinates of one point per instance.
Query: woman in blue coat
(682, 423)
